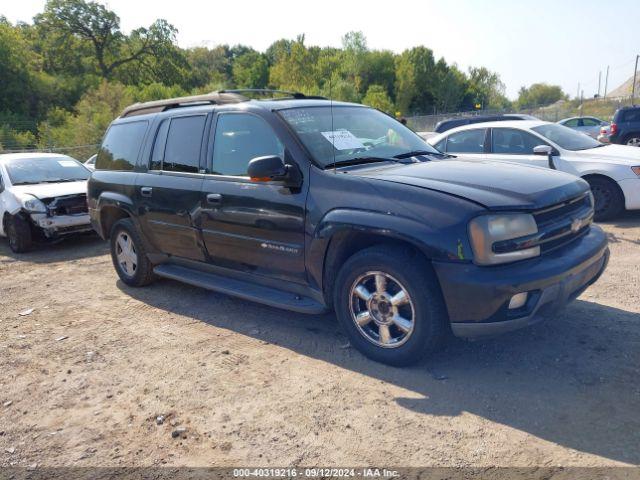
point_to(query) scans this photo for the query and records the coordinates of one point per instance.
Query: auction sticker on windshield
(343, 139)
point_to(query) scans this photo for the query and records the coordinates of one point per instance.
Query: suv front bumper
(477, 298)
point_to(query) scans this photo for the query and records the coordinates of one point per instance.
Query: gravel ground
(87, 373)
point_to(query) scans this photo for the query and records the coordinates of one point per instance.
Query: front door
(250, 226)
(515, 145)
(169, 192)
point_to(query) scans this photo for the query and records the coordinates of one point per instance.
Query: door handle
(146, 191)
(214, 198)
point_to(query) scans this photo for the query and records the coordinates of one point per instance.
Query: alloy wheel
(126, 254)
(382, 309)
(634, 142)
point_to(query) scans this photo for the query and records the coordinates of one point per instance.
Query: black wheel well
(605, 178)
(344, 245)
(110, 215)
(629, 135)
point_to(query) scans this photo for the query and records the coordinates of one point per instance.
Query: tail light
(613, 129)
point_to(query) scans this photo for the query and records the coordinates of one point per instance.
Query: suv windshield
(566, 138)
(352, 133)
(26, 171)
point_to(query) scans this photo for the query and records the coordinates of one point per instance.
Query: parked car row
(612, 171)
(311, 205)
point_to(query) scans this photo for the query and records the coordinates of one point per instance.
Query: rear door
(515, 145)
(168, 194)
(246, 225)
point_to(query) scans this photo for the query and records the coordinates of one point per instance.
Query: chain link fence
(603, 108)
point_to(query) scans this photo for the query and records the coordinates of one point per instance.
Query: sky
(562, 42)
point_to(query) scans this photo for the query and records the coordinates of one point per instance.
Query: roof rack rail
(213, 98)
(294, 95)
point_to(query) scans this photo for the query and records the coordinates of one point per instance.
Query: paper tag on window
(67, 163)
(343, 139)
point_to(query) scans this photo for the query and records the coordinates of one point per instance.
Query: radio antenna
(333, 133)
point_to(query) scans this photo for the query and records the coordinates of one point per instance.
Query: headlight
(486, 230)
(34, 205)
(636, 170)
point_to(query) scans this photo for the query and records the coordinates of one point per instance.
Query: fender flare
(112, 200)
(435, 244)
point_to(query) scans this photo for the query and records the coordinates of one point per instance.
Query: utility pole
(578, 91)
(606, 82)
(599, 78)
(635, 71)
(581, 101)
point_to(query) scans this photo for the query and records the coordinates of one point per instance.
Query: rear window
(121, 145)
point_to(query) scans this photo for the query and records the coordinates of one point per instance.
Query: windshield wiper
(360, 161)
(417, 153)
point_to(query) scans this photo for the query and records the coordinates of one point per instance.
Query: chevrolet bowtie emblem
(576, 224)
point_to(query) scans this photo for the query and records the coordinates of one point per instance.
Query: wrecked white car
(43, 196)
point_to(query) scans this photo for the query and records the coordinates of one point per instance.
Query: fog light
(518, 300)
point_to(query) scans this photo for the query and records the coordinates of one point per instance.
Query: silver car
(588, 125)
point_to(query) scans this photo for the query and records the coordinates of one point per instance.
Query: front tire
(129, 255)
(19, 234)
(389, 303)
(608, 200)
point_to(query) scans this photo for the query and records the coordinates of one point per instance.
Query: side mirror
(265, 169)
(545, 150)
(548, 151)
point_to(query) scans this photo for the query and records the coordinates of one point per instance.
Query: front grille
(557, 225)
(67, 205)
(564, 222)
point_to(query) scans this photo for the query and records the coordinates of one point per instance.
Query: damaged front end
(63, 215)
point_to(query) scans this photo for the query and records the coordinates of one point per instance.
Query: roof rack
(214, 98)
(294, 95)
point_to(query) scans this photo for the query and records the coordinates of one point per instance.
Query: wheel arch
(342, 234)
(602, 176)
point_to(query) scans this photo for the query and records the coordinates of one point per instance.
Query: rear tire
(609, 201)
(397, 324)
(632, 140)
(129, 255)
(19, 234)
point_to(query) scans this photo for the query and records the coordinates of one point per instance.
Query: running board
(241, 289)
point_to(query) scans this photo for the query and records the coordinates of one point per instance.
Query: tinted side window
(182, 150)
(590, 122)
(158, 146)
(571, 123)
(240, 138)
(441, 144)
(513, 142)
(631, 115)
(121, 145)
(468, 141)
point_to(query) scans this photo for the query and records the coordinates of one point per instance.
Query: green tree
(250, 70)
(100, 28)
(539, 95)
(377, 97)
(294, 70)
(486, 89)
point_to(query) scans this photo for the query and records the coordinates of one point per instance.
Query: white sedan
(613, 171)
(42, 196)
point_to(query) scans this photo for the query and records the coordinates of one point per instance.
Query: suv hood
(51, 190)
(617, 154)
(494, 185)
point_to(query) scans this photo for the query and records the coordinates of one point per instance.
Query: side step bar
(240, 289)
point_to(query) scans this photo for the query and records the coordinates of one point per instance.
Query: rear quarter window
(121, 145)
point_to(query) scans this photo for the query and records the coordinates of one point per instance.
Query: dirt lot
(85, 375)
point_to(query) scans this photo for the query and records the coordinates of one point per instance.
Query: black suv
(625, 127)
(445, 125)
(311, 205)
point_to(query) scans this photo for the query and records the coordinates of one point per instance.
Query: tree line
(67, 74)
